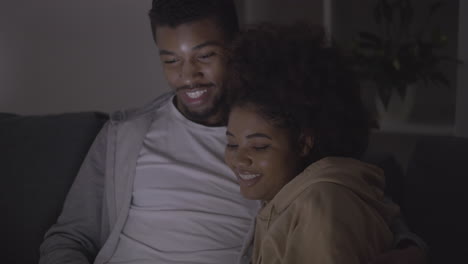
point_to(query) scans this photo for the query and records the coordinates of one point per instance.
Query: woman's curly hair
(296, 80)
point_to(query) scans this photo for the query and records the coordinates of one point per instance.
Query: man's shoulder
(129, 115)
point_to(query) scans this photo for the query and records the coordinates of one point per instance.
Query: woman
(296, 130)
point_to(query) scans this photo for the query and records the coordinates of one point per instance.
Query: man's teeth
(195, 94)
(248, 176)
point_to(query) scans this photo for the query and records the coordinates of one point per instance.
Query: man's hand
(408, 255)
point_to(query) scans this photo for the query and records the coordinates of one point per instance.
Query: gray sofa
(428, 176)
(40, 156)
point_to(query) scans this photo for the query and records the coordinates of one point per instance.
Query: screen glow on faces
(260, 154)
(193, 60)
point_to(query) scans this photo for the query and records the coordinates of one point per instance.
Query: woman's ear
(306, 143)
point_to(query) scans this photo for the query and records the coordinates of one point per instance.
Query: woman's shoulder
(324, 194)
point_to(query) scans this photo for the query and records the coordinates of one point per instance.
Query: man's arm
(408, 255)
(407, 247)
(76, 237)
(404, 237)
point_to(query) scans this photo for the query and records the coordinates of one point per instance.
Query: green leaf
(438, 77)
(365, 47)
(401, 89)
(378, 13)
(434, 7)
(396, 64)
(370, 37)
(384, 93)
(387, 11)
(406, 15)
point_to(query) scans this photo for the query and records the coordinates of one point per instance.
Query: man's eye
(259, 148)
(170, 61)
(206, 56)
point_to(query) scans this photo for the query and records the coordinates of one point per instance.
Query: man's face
(193, 59)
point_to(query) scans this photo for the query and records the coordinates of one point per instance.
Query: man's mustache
(194, 86)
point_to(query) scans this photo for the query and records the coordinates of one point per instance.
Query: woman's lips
(248, 179)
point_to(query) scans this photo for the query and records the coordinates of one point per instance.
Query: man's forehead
(196, 33)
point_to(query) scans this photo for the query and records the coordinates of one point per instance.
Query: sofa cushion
(39, 157)
(436, 196)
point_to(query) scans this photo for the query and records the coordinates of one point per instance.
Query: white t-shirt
(186, 204)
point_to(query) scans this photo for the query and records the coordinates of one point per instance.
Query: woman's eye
(231, 146)
(263, 147)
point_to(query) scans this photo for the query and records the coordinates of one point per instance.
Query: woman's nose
(243, 158)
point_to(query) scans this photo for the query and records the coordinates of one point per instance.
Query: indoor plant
(405, 51)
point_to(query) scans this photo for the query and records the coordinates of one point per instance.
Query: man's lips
(194, 87)
(195, 95)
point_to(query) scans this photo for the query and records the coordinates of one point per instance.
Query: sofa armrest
(39, 158)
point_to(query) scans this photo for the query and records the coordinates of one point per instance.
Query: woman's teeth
(247, 177)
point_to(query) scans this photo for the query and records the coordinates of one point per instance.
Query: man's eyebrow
(200, 46)
(165, 52)
(229, 134)
(208, 43)
(259, 135)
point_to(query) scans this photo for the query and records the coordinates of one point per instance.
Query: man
(153, 187)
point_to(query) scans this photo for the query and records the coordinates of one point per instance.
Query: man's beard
(218, 108)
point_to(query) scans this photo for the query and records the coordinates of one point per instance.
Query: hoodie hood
(365, 180)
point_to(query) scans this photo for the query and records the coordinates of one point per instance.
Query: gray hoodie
(97, 205)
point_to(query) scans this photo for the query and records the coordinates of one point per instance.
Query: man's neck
(215, 120)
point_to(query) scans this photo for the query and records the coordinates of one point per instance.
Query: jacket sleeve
(78, 234)
(334, 226)
(402, 232)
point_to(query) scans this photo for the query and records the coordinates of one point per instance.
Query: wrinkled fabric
(333, 212)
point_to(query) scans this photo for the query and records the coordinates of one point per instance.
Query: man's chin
(201, 116)
(207, 114)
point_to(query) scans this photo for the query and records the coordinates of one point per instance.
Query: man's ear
(306, 143)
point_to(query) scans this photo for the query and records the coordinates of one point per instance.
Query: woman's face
(261, 155)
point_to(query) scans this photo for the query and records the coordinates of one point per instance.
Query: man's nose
(190, 72)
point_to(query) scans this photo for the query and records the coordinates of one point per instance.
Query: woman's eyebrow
(259, 135)
(254, 135)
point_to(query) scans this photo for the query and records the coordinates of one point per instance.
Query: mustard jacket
(333, 212)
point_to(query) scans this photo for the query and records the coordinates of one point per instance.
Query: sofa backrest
(436, 196)
(427, 175)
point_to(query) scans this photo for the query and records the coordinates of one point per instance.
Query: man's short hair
(173, 13)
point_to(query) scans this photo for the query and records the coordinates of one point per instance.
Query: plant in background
(401, 53)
